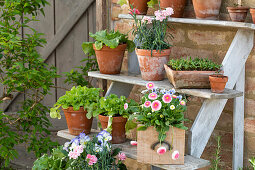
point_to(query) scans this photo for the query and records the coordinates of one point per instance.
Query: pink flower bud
(161, 150)
(175, 155)
(133, 143)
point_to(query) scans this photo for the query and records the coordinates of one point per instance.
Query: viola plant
(151, 32)
(161, 109)
(84, 153)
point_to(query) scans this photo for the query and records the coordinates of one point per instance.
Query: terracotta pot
(177, 5)
(141, 5)
(118, 128)
(152, 67)
(252, 11)
(110, 60)
(77, 121)
(218, 83)
(189, 79)
(238, 14)
(207, 9)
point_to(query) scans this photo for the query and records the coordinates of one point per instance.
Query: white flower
(172, 107)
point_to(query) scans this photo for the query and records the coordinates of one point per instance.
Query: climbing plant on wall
(23, 71)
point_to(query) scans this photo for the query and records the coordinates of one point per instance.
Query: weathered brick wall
(207, 42)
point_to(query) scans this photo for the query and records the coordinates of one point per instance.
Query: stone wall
(207, 42)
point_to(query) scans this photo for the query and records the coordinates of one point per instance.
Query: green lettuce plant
(77, 97)
(110, 39)
(190, 64)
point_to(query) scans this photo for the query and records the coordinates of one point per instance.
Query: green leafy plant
(151, 32)
(73, 155)
(190, 64)
(161, 109)
(110, 39)
(81, 78)
(217, 160)
(252, 162)
(77, 97)
(23, 71)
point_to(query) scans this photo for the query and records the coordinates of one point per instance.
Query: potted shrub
(190, 73)
(73, 155)
(77, 104)
(177, 5)
(207, 9)
(161, 133)
(238, 13)
(218, 82)
(252, 11)
(152, 49)
(139, 5)
(113, 116)
(109, 48)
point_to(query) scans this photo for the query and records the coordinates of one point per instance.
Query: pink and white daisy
(147, 104)
(156, 105)
(172, 107)
(122, 156)
(167, 98)
(150, 86)
(161, 150)
(174, 96)
(153, 96)
(183, 103)
(175, 155)
(125, 106)
(133, 143)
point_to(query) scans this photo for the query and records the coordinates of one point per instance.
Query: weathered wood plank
(190, 162)
(238, 122)
(165, 84)
(228, 24)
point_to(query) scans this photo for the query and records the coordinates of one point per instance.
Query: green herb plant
(216, 162)
(252, 162)
(110, 39)
(196, 64)
(77, 97)
(23, 71)
(113, 106)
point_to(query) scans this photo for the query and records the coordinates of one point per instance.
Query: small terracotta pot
(218, 83)
(238, 14)
(77, 121)
(118, 128)
(177, 5)
(141, 5)
(252, 11)
(207, 9)
(110, 60)
(152, 67)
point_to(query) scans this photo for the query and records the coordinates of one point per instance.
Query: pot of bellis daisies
(84, 153)
(153, 49)
(161, 132)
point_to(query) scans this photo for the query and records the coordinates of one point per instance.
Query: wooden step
(190, 162)
(165, 84)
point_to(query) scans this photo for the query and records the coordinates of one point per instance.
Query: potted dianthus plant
(77, 104)
(84, 153)
(161, 132)
(191, 73)
(153, 49)
(113, 115)
(109, 48)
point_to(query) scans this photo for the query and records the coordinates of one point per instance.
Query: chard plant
(197, 64)
(23, 71)
(110, 39)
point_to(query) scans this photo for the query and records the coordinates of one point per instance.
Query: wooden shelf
(190, 162)
(216, 23)
(165, 84)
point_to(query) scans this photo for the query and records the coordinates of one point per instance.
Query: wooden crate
(147, 138)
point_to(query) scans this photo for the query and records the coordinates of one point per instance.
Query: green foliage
(164, 118)
(152, 3)
(110, 39)
(77, 78)
(217, 160)
(152, 36)
(77, 97)
(23, 71)
(98, 146)
(252, 162)
(122, 2)
(190, 64)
